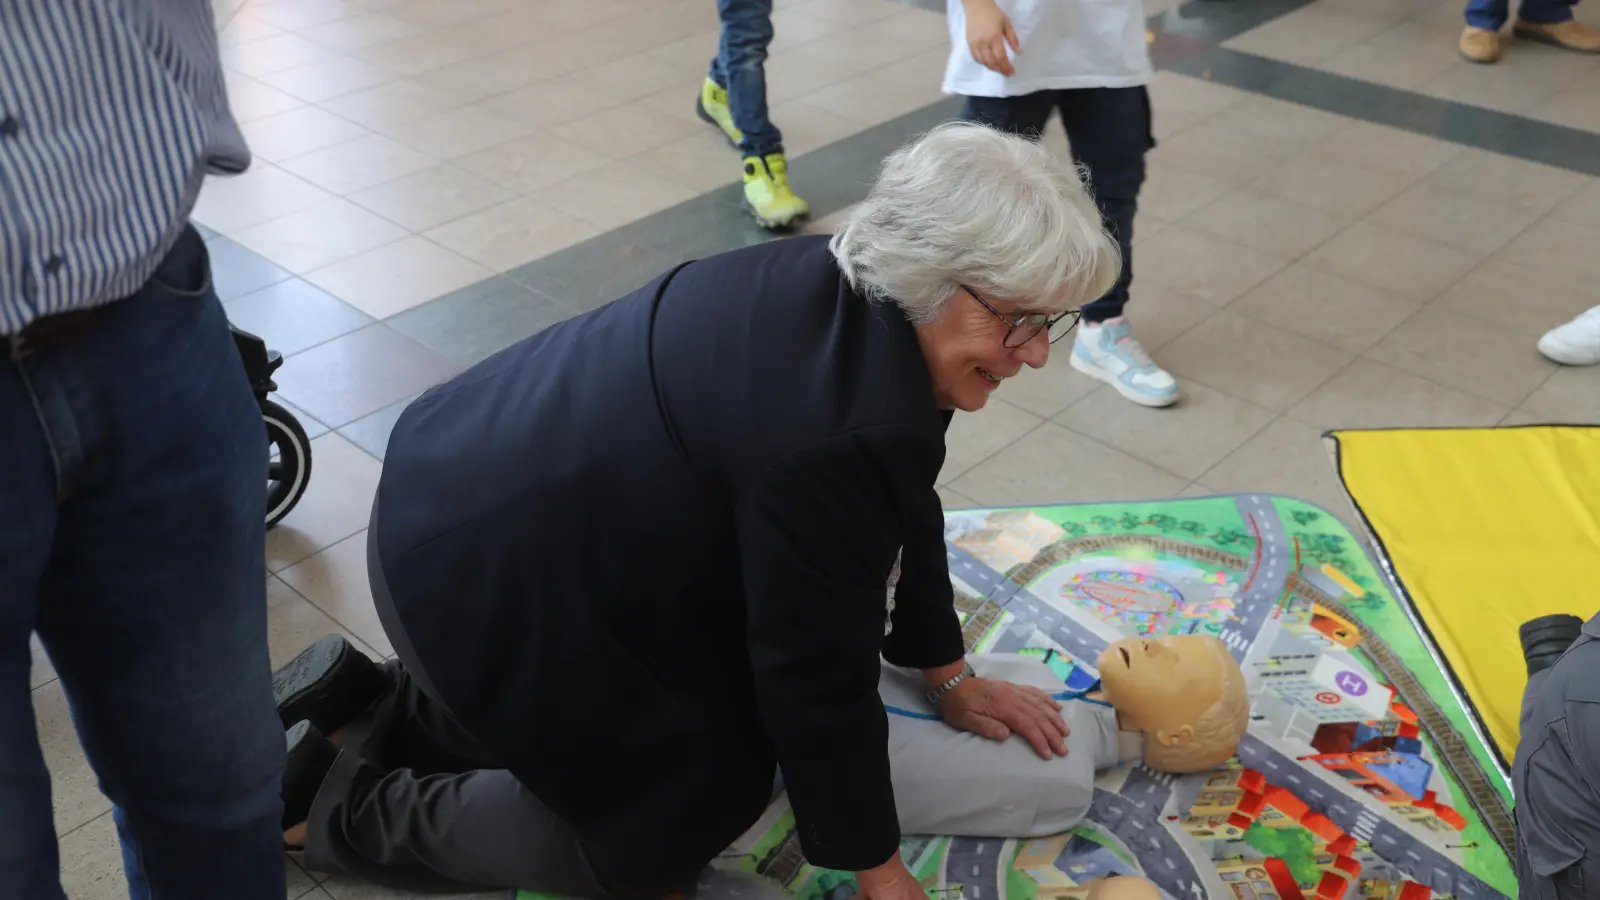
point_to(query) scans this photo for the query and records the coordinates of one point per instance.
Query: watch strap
(937, 694)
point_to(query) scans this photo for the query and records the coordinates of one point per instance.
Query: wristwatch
(937, 694)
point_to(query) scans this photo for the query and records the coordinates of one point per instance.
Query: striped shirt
(111, 113)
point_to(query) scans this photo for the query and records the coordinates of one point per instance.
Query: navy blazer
(644, 556)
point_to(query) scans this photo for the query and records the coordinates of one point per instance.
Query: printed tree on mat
(1295, 846)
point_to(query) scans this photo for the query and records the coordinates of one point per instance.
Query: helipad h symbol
(1350, 683)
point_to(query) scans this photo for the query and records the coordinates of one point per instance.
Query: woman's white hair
(965, 205)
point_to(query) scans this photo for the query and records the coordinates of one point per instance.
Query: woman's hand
(989, 31)
(890, 881)
(999, 709)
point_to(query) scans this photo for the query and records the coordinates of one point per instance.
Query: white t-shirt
(1065, 44)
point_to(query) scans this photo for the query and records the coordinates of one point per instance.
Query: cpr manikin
(1179, 703)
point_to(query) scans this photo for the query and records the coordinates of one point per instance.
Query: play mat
(1363, 775)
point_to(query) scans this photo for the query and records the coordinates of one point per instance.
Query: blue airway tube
(1063, 695)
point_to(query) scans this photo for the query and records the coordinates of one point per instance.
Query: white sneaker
(1107, 351)
(1576, 343)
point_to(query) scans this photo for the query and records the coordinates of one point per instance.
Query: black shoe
(310, 757)
(1544, 639)
(328, 684)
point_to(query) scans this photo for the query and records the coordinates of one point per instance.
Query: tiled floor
(1344, 225)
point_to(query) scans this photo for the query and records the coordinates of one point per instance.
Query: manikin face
(1161, 685)
(967, 353)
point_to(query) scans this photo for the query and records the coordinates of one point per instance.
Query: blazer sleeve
(926, 632)
(818, 535)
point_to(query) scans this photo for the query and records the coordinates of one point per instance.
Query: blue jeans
(740, 66)
(132, 484)
(1109, 130)
(1492, 14)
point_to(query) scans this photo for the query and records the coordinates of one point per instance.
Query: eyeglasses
(1024, 328)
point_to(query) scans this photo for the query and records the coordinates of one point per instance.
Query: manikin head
(988, 243)
(1185, 692)
(1124, 887)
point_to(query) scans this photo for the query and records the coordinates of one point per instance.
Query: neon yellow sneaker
(767, 194)
(713, 107)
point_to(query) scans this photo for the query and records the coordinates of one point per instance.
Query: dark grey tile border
(469, 325)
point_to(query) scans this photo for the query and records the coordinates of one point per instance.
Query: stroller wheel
(288, 461)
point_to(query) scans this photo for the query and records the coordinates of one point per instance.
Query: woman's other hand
(999, 709)
(989, 32)
(890, 881)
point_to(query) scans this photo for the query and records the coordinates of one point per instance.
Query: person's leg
(1109, 129)
(1551, 22)
(29, 862)
(1489, 15)
(734, 97)
(1024, 116)
(153, 604)
(1543, 12)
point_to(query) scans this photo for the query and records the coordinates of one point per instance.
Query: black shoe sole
(328, 684)
(310, 757)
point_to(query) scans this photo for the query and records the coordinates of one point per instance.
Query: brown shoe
(1480, 45)
(1568, 35)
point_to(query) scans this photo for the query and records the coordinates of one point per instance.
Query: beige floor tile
(1170, 194)
(793, 27)
(974, 437)
(1394, 261)
(393, 278)
(293, 15)
(828, 223)
(1172, 94)
(335, 581)
(1211, 423)
(265, 192)
(458, 132)
(1452, 217)
(1372, 395)
(1281, 121)
(432, 197)
(530, 163)
(871, 99)
(613, 195)
(1252, 360)
(319, 235)
(424, 51)
(361, 163)
(701, 46)
(506, 236)
(1389, 149)
(73, 788)
(242, 28)
(322, 80)
(1518, 417)
(557, 102)
(1326, 307)
(1285, 458)
(1407, 56)
(358, 32)
(849, 12)
(1052, 464)
(952, 500)
(1464, 353)
(1220, 153)
(249, 99)
(1314, 34)
(629, 130)
(1491, 176)
(1210, 268)
(807, 127)
(810, 68)
(298, 131)
(1575, 107)
(1582, 207)
(389, 106)
(41, 671)
(293, 624)
(1047, 391)
(274, 54)
(1571, 395)
(1523, 301)
(1564, 248)
(1257, 220)
(509, 70)
(1196, 489)
(702, 162)
(337, 503)
(1158, 315)
(430, 14)
(633, 77)
(91, 862)
(1527, 78)
(919, 70)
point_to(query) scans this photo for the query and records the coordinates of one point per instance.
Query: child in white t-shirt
(1016, 62)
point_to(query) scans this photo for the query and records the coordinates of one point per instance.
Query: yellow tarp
(1484, 528)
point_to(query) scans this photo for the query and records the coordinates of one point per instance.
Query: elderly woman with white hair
(644, 564)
